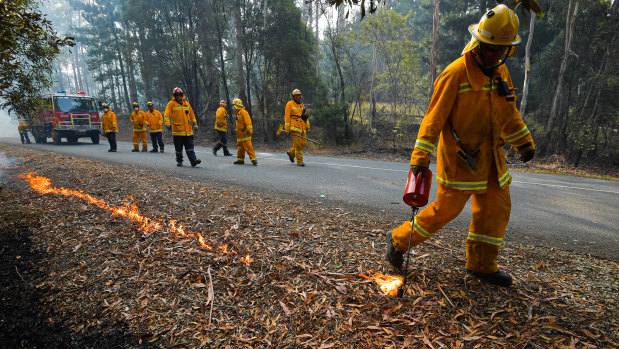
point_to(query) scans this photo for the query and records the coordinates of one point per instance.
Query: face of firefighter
(297, 98)
(136, 108)
(151, 108)
(178, 97)
(489, 55)
(105, 110)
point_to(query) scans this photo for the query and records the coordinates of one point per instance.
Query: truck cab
(69, 116)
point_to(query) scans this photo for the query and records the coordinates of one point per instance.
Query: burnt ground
(75, 275)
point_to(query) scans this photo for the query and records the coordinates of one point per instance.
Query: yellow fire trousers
(137, 135)
(245, 146)
(490, 210)
(298, 144)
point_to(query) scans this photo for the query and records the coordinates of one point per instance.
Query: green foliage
(331, 119)
(28, 46)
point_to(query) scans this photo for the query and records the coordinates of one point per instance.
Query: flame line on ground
(129, 210)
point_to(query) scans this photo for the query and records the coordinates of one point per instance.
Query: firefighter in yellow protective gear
(179, 118)
(473, 109)
(22, 128)
(221, 126)
(297, 124)
(110, 128)
(139, 121)
(155, 127)
(244, 130)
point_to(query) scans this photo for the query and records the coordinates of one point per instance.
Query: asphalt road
(571, 213)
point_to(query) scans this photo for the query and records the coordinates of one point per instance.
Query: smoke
(8, 125)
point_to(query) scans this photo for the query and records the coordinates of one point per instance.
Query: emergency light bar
(61, 91)
(81, 92)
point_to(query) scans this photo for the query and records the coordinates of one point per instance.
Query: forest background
(367, 81)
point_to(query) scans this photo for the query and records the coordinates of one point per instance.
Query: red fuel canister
(417, 190)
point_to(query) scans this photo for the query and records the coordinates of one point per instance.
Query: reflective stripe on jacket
(469, 100)
(109, 122)
(155, 120)
(139, 121)
(181, 117)
(292, 118)
(221, 122)
(244, 128)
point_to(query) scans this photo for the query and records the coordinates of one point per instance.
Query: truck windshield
(75, 105)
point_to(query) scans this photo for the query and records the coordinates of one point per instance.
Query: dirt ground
(197, 264)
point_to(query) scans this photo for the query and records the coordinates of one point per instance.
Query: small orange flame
(247, 259)
(389, 284)
(129, 210)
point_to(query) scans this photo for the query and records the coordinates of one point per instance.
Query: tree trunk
(266, 70)
(222, 62)
(434, 50)
(316, 48)
(527, 66)
(372, 94)
(240, 48)
(555, 140)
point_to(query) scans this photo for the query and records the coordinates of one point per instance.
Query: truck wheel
(56, 137)
(72, 139)
(95, 139)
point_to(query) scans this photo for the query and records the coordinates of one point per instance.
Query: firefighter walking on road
(110, 128)
(22, 128)
(221, 126)
(297, 124)
(138, 119)
(473, 109)
(155, 124)
(244, 130)
(179, 118)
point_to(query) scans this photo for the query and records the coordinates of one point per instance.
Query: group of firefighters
(473, 110)
(181, 120)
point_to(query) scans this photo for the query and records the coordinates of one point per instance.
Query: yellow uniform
(181, 117)
(138, 119)
(221, 121)
(109, 122)
(155, 121)
(296, 126)
(469, 101)
(244, 130)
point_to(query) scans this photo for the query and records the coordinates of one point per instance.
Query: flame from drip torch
(129, 210)
(389, 284)
(247, 259)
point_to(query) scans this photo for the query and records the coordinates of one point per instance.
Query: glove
(527, 156)
(169, 127)
(416, 169)
(195, 127)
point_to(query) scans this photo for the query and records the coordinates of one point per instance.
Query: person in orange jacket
(139, 121)
(221, 126)
(244, 130)
(473, 109)
(22, 128)
(155, 124)
(297, 124)
(179, 118)
(110, 128)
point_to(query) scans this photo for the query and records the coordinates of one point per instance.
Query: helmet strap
(490, 71)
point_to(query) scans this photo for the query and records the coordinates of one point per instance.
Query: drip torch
(416, 195)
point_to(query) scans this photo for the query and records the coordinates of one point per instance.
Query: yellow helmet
(238, 104)
(295, 92)
(498, 26)
(149, 103)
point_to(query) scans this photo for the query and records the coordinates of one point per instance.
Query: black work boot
(499, 278)
(179, 164)
(396, 258)
(254, 162)
(195, 162)
(291, 157)
(239, 162)
(226, 152)
(154, 150)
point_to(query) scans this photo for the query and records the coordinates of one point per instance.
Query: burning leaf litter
(300, 290)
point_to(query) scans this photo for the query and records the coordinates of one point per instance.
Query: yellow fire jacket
(155, 121)
(221, 122)
(244, 128)
(292, 118)
(22, 127)
(139, 121)
(469, 101)
(109, 122)
(181, 116)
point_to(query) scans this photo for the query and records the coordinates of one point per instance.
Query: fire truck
(70, 116)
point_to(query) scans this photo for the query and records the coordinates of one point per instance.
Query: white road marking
(568, 187)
